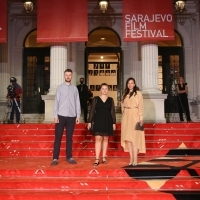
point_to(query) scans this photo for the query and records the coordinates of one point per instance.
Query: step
(89, 137)
(64, 194)
(83, 131)
(49, 145)
(91, 152)
(92, 183)
(118, 125)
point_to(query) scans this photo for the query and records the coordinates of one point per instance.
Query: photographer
(14, 93)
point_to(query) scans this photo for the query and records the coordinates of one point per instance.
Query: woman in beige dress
(133, 141)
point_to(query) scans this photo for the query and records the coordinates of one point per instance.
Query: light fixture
(180, 9)
(28, 8)
(180, 6)
(103, 5)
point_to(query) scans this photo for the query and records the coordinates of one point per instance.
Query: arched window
(177, 42)
(103, 37)
(36, 73)
(31, 40)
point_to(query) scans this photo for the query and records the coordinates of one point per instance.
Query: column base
(152, 90)
(3, 109)
(49, 105)
(196, 107)
(154, 111)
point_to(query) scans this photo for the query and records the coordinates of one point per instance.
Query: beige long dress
(132, 112)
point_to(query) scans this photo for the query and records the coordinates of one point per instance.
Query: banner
(147, 20)
(3, 21)
(62, 21)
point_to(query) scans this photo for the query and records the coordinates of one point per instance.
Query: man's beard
(68, 80)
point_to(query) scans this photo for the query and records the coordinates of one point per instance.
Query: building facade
(105, 57)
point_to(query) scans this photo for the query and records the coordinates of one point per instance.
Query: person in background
(14, 93)
(102, 114)
(183, 106)
(133, 141)
(67, 113)
(84, 97)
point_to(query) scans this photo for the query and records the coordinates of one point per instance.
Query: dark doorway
(103, 49)
(172, 58)
(36, 78)
(172, 62)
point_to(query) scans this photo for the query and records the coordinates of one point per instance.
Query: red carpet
(169, 170)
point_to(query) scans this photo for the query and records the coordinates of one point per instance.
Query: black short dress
(102, 114)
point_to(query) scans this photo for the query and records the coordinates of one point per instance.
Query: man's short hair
(68, 70)
(13, 80)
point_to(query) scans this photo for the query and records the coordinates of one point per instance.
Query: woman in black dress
(102, 115)
(183, 106)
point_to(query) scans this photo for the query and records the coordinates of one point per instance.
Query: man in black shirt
(84, 97)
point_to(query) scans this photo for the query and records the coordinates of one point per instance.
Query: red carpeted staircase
(169, 170)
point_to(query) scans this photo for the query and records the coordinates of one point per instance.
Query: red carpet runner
(169, 170)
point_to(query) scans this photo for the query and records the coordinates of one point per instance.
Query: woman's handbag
(139, 127)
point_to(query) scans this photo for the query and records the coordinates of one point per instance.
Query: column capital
(149, 42)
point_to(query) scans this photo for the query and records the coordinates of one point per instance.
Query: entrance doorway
(36, 74)
(103, 56)
(170, 67)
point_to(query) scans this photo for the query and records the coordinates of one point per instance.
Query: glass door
(36, 78)
(170, 67)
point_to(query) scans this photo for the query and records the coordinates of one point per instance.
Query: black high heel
(96, 163)
(104, 161)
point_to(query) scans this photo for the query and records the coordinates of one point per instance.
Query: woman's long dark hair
(127, 91)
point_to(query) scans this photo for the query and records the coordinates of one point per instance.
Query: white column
(153, 99)
(150, 68)
(4, 71)
(4, 77)
(58, 64)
